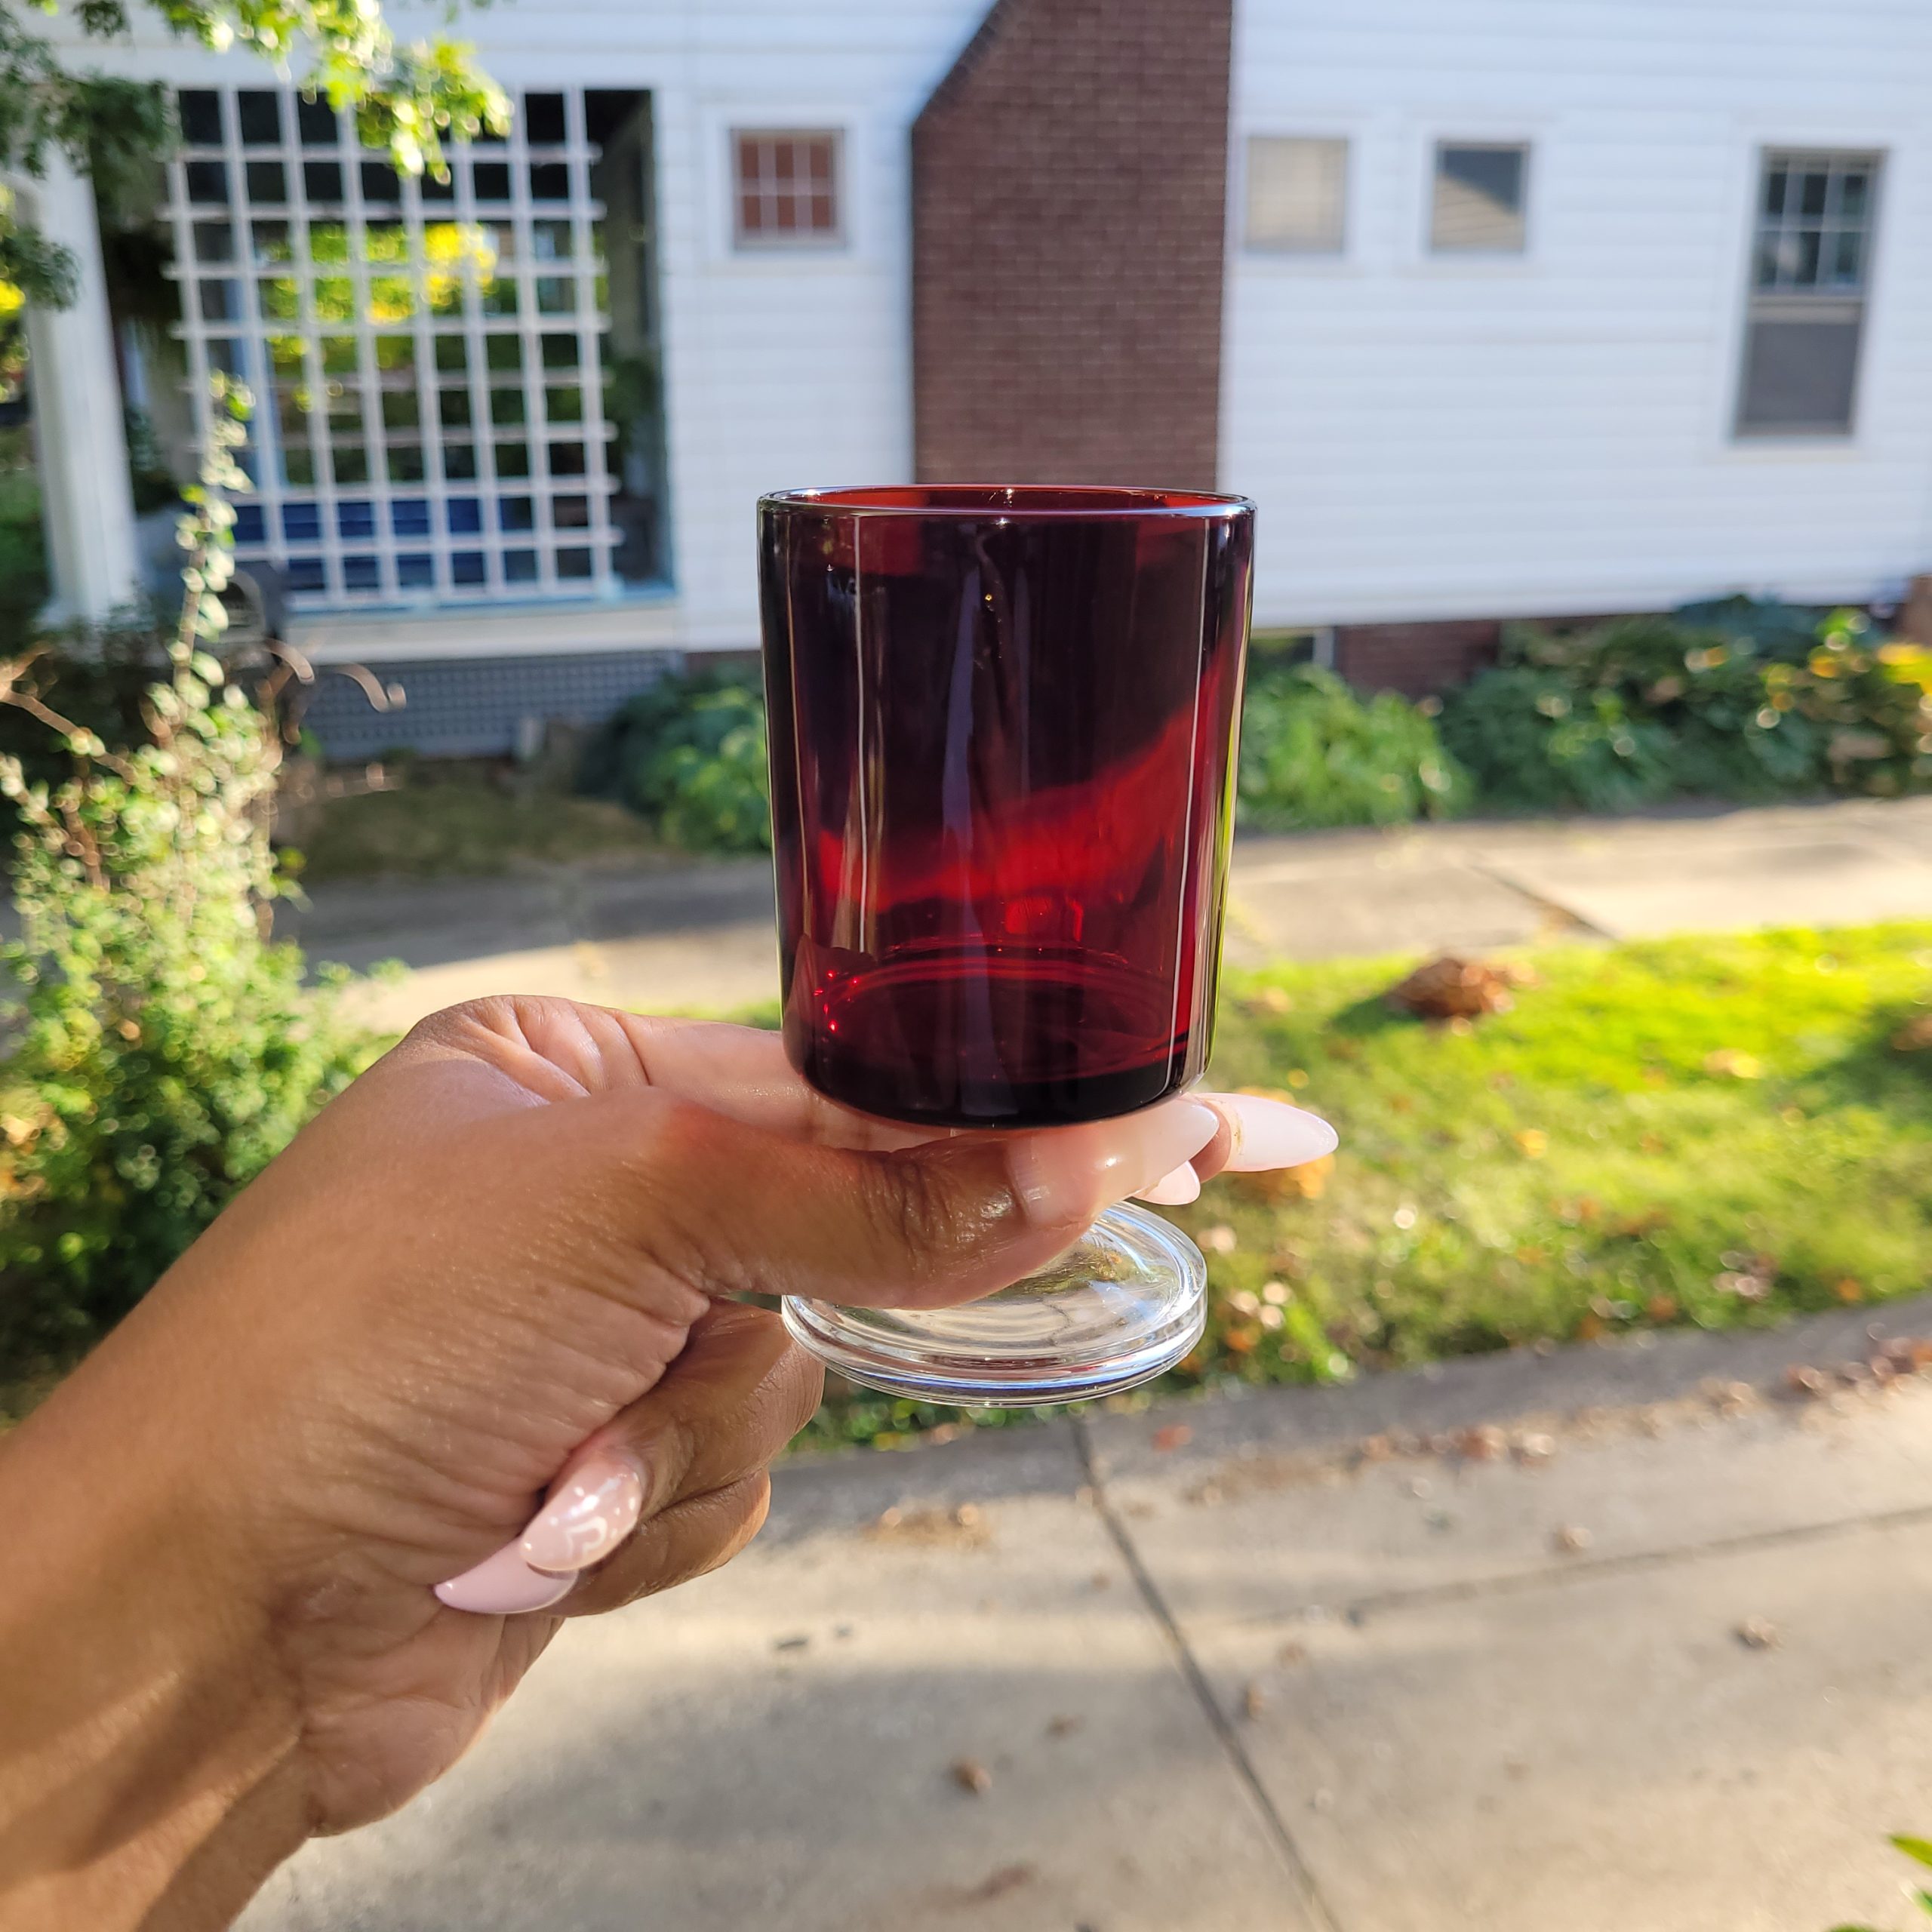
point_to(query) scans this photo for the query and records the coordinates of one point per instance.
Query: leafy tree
(409, 99)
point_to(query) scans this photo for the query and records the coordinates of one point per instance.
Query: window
(378, 446)
(1478, 205)
(785, 188)
(1296, 194)
(1811, 251)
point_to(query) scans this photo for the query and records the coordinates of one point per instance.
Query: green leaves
(1918, 1848)
(690, 754)
(1630, 713)
(1313, 753)
(162, 1048)
(409, 99)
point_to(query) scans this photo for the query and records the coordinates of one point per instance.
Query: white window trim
(714, 129)
(809, 241)
(1288, 252)
(1474, 129)
(1900, 148)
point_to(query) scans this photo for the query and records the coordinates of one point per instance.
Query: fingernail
(1067, 1174)
(503, 1585)
(588, 1517)
(1270, 1133)
(1173, 1190)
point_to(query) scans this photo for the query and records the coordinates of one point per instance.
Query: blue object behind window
(465, 515)
(411, 517)
(301, 523)
(356, 517)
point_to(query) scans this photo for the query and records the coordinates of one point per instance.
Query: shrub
(690, 754)
(162, 1048)
(1313, 753)
(1628, 713)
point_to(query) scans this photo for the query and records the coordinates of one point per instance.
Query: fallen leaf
(1254, 1701)
(1573, 1539)
(1804, 1381)
(1914, 1036)
(1309, 1182)
(970, 1775)
(1728, 1063)
(1758, 1633)
(1450, 987)
(1484, 1444)
(966, 1528)
(1534, 1142)
(1661, 1308)
(1062, 1727)
(1291, 1653)
(1173, 1435)
(1848, 1290)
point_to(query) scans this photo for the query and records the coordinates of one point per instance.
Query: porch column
(80, 441)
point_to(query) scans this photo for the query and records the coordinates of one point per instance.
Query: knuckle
(916, 1210)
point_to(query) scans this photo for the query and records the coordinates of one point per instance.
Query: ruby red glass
(1002, 726)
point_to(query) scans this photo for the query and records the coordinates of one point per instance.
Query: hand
(495, 1271)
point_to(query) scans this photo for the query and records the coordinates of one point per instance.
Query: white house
(1496, 308)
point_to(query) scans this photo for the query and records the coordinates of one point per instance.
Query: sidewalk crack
(1300, 1873)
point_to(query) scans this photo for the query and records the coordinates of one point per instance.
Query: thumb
(729, 1207)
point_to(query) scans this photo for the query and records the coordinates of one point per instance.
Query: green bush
(690, 754)
(1313, 753)
(1620, 716)
(161, 1048)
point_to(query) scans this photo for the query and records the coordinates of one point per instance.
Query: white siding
(780, 369)
(1435, 438)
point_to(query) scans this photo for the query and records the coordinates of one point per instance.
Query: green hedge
(1632, 713)
(1313, 753)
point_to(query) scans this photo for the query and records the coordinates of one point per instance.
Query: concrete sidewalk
(702, 937)
(1622, 1639)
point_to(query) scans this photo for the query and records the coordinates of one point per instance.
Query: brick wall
(1068, 192)
(1415, 659)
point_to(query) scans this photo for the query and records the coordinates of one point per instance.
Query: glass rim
(1029, 502)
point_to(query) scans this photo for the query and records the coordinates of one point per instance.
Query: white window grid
(393, 538)
(1815, 214)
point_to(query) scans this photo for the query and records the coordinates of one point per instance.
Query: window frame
(1297, 251)
(1524, 145)
(836, 240)
(1797, 305)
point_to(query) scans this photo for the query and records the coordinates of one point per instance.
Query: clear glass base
(1128, 1301)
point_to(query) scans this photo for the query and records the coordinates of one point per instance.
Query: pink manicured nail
(1065, 1176)
(593, 1512)
(503, 1585)
(1173, 1190)
(1270, 1133)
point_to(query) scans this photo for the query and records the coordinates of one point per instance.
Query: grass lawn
(456, 818)
(1712, 1131)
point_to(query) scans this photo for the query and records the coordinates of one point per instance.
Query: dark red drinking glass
(1002, 728)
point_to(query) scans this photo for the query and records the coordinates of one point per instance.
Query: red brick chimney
(1069, 188)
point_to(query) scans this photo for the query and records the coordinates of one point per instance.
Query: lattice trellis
(429, 427)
